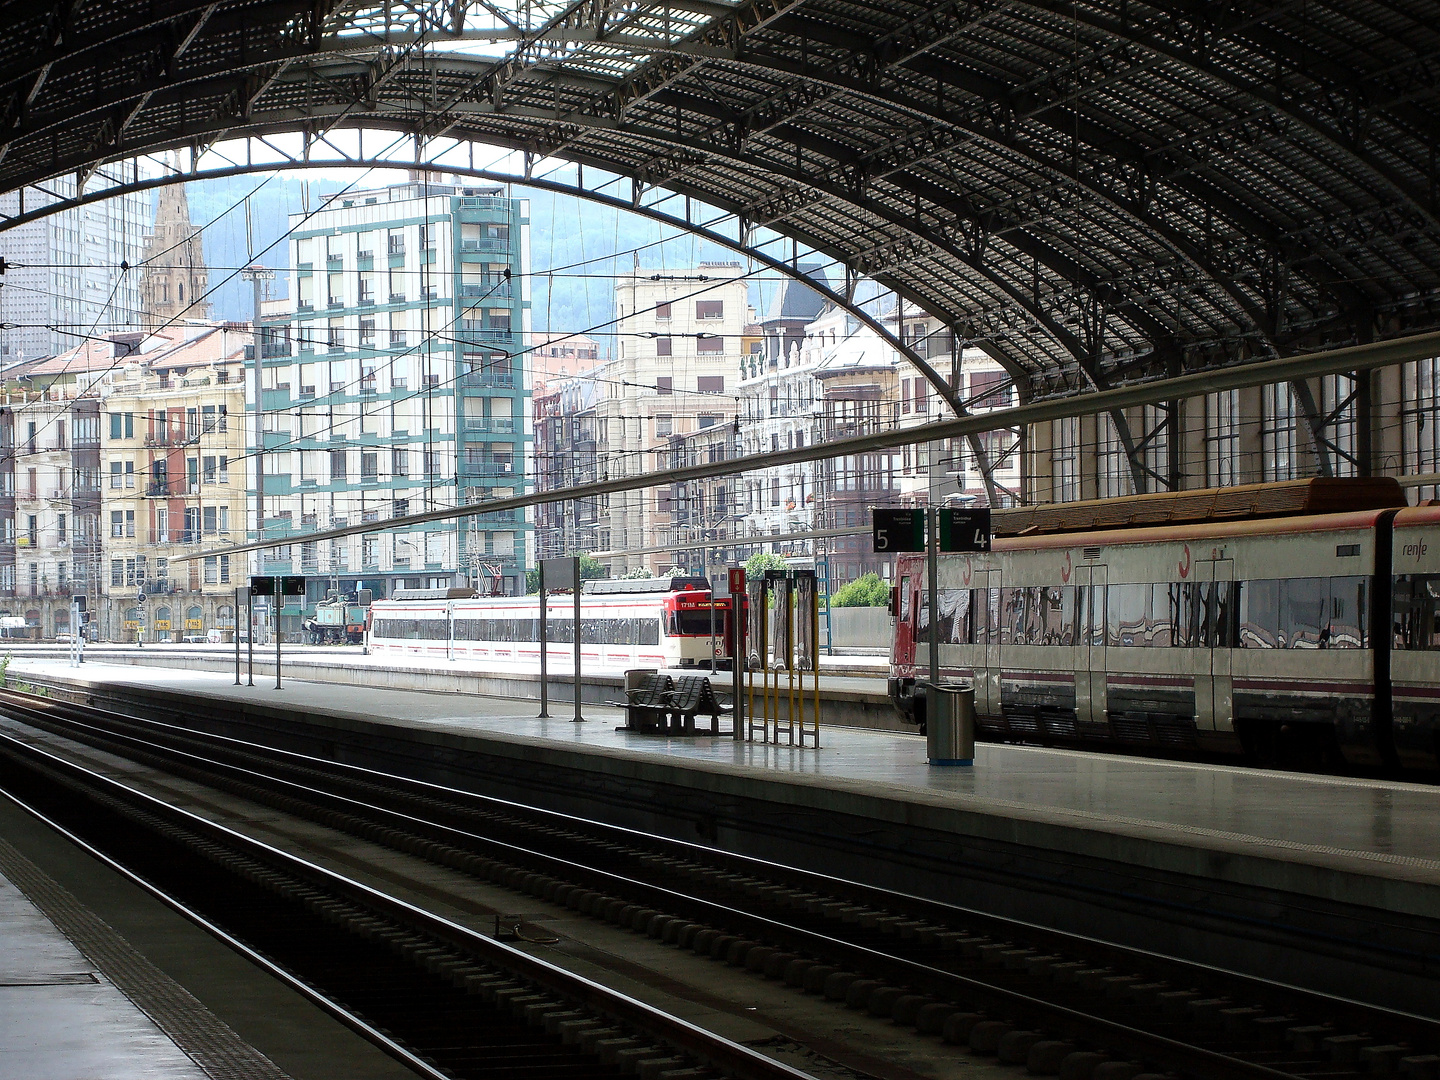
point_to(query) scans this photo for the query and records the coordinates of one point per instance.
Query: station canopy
(1095, 193)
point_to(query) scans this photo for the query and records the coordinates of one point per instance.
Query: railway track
(1052, 1002)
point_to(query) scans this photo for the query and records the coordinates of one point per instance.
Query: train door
(1089, 663)
(1214, 692)
(988, 699)
(1089, 652)
(449, 631)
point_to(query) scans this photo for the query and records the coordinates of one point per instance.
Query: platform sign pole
(575, 586)
(544, 647)
(250, 636)
(934, 573)
(237, 634)
(738, 660)
(276, 603)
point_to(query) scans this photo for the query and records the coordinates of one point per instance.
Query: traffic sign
(965, 529)
(140, 598)
(898, 530)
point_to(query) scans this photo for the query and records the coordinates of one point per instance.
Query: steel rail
(723, 1054)
(1138, 1042)
(455, 799)
(1290, 369)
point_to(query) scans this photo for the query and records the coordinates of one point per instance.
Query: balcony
(496, 287)
(487, 468)
(472, 331)
(484, 379)
(498, 425)
(397, 298)
(487, 246)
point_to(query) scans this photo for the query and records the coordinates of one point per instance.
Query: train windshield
(695, 624)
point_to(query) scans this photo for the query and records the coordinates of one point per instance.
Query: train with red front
(1294, 623)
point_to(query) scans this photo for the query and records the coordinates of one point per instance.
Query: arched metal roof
(1095, 192)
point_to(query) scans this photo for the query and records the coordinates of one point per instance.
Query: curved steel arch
(703, 229)
(1101, 192)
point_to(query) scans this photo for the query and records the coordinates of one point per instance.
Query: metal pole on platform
(575, 581)
(544, 647)
(933, 519)
(237, 635)
(276, 602)
(250, 635)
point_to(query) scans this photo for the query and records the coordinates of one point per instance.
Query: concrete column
(1189, 462)
(1388, 420)
(1087, 461)
(1039, 479)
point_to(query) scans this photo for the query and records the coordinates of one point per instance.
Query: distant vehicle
(648, 622)
(340, 620)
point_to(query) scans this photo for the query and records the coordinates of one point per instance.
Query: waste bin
(950, 723)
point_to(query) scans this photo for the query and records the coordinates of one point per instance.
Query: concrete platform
(61, 1018)
(1213, 842)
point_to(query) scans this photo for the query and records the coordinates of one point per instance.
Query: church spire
(175, 278)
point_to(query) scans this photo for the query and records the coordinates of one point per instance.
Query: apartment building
(566, 453)
(677, 369)
(172, 483)
(397, 384)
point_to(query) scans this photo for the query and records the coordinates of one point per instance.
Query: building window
(709, 309)
(369, 466)
(1112, 463)
(212, 569)
(1065, 459)
(1222, 438)
(1277, 432)
(117, 573)
(710, 384)
(664, 384)
(664, 425)
(400, 461)
(61, 527)
(662, 314)
(117, 524)
(337, 466)
(712, 343)
(663, 346)
(1338, 395)
(1420, 388)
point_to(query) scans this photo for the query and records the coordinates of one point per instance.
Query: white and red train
(648, 622)
(1309, 638)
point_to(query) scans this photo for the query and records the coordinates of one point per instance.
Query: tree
(867, 591)
(589, 570)
(757, 564)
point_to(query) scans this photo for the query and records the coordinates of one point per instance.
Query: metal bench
(647, 705)
(693, 695)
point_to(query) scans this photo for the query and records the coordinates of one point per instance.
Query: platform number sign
(898, 530)
(964, 530)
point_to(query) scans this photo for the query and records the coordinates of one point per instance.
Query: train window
(1060, 615)
(905, 599)
(922, 616)
(1305, 613)
(1162, 617)
(1349, 611)
(1012, 616)
(1095, 622)
(955, 622)
(1417, 612)
(1260, 615)
(1129, 615)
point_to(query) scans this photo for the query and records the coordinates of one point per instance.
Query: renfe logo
(1417, 550)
